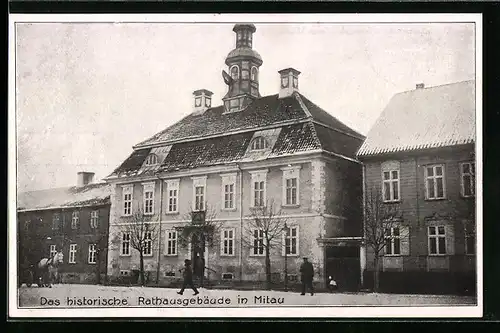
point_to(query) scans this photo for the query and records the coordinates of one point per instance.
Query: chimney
(84, 178)
(289, 82)
(420, 86)
(202, 101)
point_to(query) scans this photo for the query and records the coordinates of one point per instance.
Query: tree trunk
(268, 270)
(141, 267)
(376, 277)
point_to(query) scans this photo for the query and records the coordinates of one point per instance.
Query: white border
(391, 312)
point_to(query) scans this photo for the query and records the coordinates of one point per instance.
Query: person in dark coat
(188, 278)
(306, 275)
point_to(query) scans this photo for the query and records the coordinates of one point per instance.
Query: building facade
(71, 220)
(419, 160)
(251, 154)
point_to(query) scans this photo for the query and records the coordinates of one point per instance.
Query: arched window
(259, 143)
(152, 159)
(254, 74)
(235, 72)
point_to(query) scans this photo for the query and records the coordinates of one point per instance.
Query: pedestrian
(332, 284)
(188, 278)
(307, 274)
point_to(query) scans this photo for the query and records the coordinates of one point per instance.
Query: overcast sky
(86, 93)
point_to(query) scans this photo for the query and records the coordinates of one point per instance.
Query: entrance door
(198, 255)
(343, 265)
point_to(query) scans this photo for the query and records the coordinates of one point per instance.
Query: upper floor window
(291, 241)
(152, 159)
(56, 220)
(148, 198)
(228, 191)
(259, 143)
(127, 192)
(172, 195)
(94, 219)
(235, 72)
(434, 182)
(390, 181)
(199, 186)
(468, 178)
(254, 74)
(75, 218)
(290, 193)
(259, 180)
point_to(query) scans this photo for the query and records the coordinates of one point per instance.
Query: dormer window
(255, 74)
(197, 101)
(152, 159)
(259, 143)
(208, 102)
(235, 72)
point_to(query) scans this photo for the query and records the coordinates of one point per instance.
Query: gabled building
(419, 157)
(249, 152)
(72, 220)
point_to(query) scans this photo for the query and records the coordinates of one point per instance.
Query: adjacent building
(419, 158)
(72, 220)
(230, 160)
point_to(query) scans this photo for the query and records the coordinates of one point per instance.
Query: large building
(280, 151)
(72, 220)
(419, 158)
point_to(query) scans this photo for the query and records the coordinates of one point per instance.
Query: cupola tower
(242, 76)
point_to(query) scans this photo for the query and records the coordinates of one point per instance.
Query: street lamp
(285, 228)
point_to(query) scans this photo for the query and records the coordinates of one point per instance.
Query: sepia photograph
(245, 165)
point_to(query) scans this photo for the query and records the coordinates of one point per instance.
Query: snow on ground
(166, 297)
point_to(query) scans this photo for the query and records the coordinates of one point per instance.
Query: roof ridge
(437, 86)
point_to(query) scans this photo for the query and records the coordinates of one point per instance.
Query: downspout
(159, 232)
(241, 222)
(362, 248)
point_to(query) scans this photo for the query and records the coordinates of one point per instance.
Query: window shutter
(222, 242)
(283, 242)
(405, 240)
(450, 239)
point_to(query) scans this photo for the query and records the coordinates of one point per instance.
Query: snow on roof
(89, 195)
(423, 118)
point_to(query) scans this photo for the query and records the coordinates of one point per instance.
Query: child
(332, 284)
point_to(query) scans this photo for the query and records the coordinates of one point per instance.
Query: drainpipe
(159, 232)
(362, 247)
(241, 222)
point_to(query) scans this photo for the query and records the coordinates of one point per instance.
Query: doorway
(343, 264)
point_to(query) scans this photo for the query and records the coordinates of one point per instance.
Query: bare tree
(264, 232)
(143, 235)
(379, 219)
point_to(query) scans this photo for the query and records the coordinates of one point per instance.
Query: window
(235, 72)
(258, 188)
(208, 101)
(197, 101)
(125, 248)
(228, 190)
(393, 241)
(291, 185)
(94, 219)
(437, 240)
(27, 225)
(172, 195)
(56, 220)
(92, 253)
(72, 254)
(434, 182)
(148, 244)
(75, 218)
(171, 249)
(254, 76)
(470, 239)
(227, 242)
(227, 276)
(127, 200)
(148, 192)
(152, 159)
(52, 250)
(468, 178)
(258, 242)
(390, 181)
(199, 185)
(291, 243)
(259, 143)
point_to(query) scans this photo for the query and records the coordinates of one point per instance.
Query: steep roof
(214, 138)
(431, 117)
(64, 197)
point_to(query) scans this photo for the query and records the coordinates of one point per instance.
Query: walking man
(306, 275)
(188, 278)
